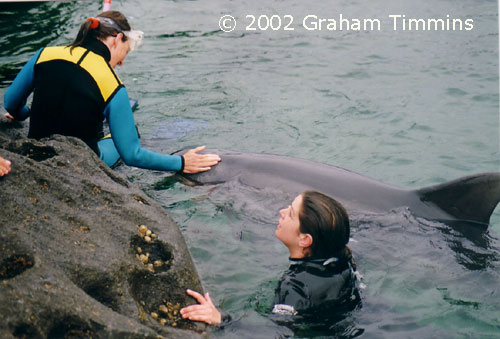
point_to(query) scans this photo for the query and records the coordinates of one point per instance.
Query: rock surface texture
(73, 260)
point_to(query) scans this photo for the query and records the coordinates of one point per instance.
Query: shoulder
(292, 293)
(109, 83)
(60, 53)
(309, 285)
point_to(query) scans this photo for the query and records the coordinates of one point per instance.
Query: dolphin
(468, 200)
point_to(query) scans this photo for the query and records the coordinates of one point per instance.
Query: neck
(106, 41)
(297, 253)
(99, 47)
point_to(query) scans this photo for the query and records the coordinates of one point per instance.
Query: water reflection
(415, 269)
(27, 27)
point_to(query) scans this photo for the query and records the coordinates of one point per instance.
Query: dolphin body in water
(464, 201)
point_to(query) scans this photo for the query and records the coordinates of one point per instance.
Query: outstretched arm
(205, 311)
(16, 95)
(126, 140)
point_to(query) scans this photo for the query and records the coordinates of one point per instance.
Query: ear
(305, 240)
(117, 38)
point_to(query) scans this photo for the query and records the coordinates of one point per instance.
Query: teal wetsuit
(73, 93)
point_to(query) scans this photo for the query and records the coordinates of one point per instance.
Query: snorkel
(106, 5)
(135, 36)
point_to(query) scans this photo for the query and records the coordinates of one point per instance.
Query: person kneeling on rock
(75, 88)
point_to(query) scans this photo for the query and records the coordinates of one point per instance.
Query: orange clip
(94, 23)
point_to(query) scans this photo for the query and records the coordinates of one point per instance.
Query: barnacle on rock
(143, 229)
(144, 259)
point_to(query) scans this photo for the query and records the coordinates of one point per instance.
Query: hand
(194, 162)
(8, 116)
(4, 166)
(205, 311)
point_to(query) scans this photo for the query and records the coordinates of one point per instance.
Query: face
(288, 227)
(118, 49)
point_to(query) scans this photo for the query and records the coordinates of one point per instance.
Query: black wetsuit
(315, 290)
(316, 286)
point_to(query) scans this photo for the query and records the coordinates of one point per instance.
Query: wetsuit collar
(324, 262)
(319, 262)
(97, 47)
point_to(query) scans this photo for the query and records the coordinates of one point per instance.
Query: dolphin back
(467, 200)
(472, 198)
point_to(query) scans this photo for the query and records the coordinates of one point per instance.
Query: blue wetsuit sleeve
(124, 134)
(16, 95)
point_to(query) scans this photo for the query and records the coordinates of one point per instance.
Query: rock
(68, 244)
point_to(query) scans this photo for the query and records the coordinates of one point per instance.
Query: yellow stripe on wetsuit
(94, 64)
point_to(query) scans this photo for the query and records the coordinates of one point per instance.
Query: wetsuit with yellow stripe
(73, 92)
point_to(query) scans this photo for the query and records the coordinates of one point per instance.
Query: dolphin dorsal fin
(471, 198)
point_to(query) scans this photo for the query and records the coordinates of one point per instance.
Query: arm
(16, 95)
(124, 134)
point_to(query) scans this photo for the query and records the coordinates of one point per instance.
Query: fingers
(199, 149)
(194, 162)
(206, 159)
(198, 313)
(4, 166)
(8, 116)
(198, 170)
(208, 299)
(205, 311)
(199, 298)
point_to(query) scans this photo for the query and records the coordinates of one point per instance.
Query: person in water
(75, 87)
(321, 276)
(4, 167)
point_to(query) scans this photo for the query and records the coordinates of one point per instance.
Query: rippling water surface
(407, 108)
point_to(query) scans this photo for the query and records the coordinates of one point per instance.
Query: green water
(409, 108)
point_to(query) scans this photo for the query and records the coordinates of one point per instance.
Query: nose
(283, 213)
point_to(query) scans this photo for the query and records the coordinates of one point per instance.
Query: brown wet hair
(102, 31)
(326, 220)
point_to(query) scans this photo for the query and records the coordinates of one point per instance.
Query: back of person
(67, 97)
(75, 89)
(310, 288)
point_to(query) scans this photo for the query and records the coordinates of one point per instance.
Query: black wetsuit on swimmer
(320, 288)
(310, 286)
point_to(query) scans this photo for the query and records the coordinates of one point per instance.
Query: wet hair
(101, 31)
(326, 220)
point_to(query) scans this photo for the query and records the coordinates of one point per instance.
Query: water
(409, 108)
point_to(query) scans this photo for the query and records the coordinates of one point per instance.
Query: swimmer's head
(326, 220)
(316, 226)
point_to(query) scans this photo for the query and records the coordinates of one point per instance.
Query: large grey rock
(68, 248)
